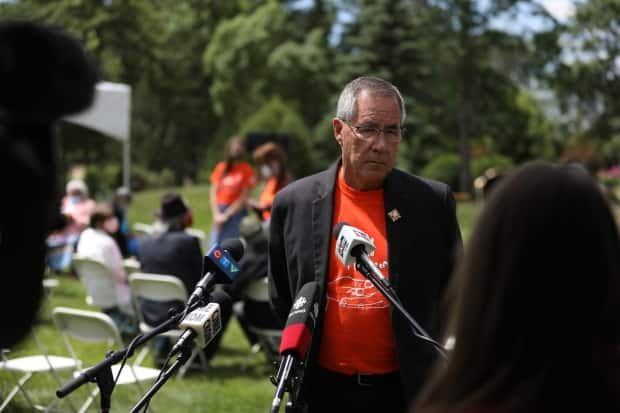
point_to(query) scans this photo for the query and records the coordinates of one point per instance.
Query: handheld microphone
(296, 338)
(204, 323)
(354, 246)
(220, 266)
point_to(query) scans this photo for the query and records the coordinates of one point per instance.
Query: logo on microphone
(343, 244)
(301, 301)
(361, 234)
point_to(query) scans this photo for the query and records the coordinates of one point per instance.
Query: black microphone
(204, 323)
(296, 338)
(220, 266)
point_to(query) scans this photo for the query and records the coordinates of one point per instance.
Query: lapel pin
(394, 215)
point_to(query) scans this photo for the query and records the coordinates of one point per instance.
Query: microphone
(353, 246)
(220, 266)
(296, 338)
(204, 323)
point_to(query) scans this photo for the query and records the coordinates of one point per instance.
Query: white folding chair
(99, 282)
(93, 326)
(131, 265)
(162, 288)
(26, 366)
(141, 229)
(269, 338)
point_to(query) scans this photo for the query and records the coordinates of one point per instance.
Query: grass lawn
(235, 381)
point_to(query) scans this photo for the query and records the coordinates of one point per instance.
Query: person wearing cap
(77, 206)
(271, 162)
(96, 243)
(75, 213)
(171, 252)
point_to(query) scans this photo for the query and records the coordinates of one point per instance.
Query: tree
(587, 76)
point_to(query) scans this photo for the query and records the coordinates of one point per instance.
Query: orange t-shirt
(357, 331)
(269, 193)
(229, 187)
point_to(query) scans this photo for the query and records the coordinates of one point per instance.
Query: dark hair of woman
(234, 151)
(269, 152)
(535, 311)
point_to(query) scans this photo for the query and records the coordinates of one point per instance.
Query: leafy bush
(278, 116)
(499, 162)
(444, 168)
(102, 180)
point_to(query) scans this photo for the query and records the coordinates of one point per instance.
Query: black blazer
(422, 245)
(171, 253)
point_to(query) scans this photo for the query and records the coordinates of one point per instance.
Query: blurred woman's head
(536, 311)
(235, 149)
(270, 159)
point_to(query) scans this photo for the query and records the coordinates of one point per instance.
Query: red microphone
(296, 338)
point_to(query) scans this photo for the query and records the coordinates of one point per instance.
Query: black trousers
(334, 392)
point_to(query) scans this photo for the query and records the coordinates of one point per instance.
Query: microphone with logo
(204, 323)
(201, 326)
(296, 340)
(220, 266)
(354, 246)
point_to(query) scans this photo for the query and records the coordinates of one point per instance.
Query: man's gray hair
(375, 87)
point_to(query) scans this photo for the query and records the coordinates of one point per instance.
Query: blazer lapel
(398, 225)
(322, 211)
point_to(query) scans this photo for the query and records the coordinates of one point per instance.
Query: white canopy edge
(110, 112)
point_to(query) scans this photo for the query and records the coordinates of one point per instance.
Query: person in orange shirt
(231, 181)
(272, 166)
(364, 356)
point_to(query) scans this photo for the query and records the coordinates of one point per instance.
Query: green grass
(234, 382)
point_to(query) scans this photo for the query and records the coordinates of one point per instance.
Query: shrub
(444, 168)
(496, 161)
(102, 180)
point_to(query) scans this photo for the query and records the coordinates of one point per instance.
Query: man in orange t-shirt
(231, 181)
(364, 356)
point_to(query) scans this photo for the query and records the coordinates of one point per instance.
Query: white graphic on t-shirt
(355, 293)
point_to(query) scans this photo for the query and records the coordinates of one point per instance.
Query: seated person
(271, 162)
(97, 243)
(253, 266)
(171, 252)
(535, 302)
(76, 209)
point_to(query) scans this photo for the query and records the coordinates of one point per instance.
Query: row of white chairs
(92, 326)
(73, 325)
(101, 285)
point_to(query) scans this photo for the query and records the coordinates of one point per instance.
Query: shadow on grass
(256, 368)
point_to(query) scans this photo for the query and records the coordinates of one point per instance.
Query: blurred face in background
(236, 149)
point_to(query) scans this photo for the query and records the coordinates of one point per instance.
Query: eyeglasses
(368, 132)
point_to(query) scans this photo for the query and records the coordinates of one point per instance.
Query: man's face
(366, 163)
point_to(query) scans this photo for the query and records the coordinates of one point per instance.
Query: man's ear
(337, 125)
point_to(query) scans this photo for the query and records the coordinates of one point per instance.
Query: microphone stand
(282, 380)
(363, 265)
(102, 372)
(184, 355)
